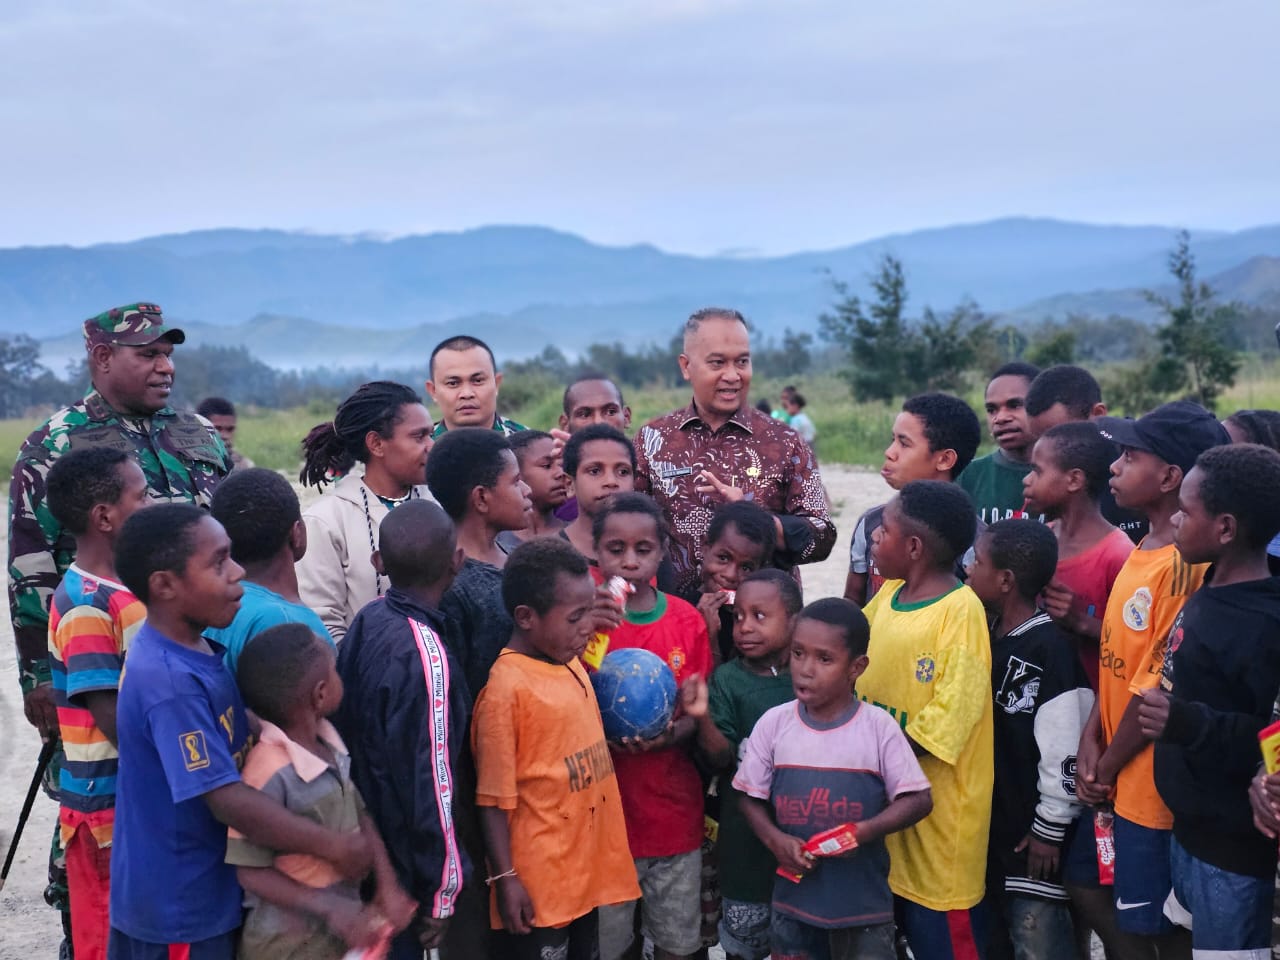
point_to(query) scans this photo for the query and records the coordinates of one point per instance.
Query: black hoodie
(1222, 672)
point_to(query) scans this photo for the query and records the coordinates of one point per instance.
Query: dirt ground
(29, 929)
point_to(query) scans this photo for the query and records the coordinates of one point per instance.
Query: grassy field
(848, 432)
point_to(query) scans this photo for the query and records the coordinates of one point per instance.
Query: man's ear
(497, 379)
(1171, 478)
(479, 499)
(944, 461)
(1099, 409)
(915, 546)
(100, 356)
(1075, 480)
(378, 566)
(564, 422)
(626, 418)
(431, 389)
(683, 360)
(459, 559)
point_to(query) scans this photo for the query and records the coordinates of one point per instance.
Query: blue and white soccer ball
(637, 694)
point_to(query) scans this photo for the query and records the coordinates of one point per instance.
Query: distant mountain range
(302, 300)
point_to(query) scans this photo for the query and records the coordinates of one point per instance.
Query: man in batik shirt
(721, 448)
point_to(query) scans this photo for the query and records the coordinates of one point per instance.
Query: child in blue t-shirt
(183, 735)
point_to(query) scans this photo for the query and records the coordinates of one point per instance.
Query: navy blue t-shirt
(183, 734)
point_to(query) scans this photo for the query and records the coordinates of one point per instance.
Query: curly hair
(943, 514)
(1028, 548)
(1242, 479)
(949, 424)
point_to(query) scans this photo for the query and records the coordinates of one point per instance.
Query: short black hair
(629, 502)
(949, 424)
(81, 479)
(521, 440)
(788, 589)
(216, 407)
(459, 344)
(529, 578)
(462, 460)
(798, 399)
(597, 431)
(847, 616)
(416, 542)
(1078, 445)
(944, 515)
(753, 522)
(161, 537)
(589, 376)
(258, 508)
(765, 407)
(274, 667)
(1016, 368)
(1242, 479)
(1028, 548)
(1074, 387)
(1258, 426)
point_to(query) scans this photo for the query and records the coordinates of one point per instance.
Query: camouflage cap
(134, 325)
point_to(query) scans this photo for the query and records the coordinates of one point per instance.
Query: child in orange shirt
(1115, 759)
(549, 804)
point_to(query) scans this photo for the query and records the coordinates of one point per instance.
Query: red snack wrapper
(827, 843)
(1104, 835)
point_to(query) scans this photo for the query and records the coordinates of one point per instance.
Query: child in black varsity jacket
(1042, 699)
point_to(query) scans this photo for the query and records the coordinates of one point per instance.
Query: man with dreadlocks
(385, 427)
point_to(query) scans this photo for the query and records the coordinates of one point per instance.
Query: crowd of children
(1033, 717)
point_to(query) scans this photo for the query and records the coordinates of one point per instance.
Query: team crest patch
(1137, 610)
(925, 668)
(195, 756)
(676, 660)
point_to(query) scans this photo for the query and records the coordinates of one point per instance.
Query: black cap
(1176, 432)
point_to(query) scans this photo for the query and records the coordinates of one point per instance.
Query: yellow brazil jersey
(930, 667)
(1149, 591)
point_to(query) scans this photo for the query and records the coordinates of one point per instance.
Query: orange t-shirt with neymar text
(541, 756)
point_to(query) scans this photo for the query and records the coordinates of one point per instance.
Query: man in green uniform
(131, 366)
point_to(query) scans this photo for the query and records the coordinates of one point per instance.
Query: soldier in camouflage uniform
(130, 363)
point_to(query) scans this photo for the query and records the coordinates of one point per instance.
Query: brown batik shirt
(763, 456)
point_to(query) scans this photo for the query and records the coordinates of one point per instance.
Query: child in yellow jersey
(1115, 759)
(930, 667)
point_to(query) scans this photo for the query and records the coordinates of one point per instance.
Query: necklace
(368, 522)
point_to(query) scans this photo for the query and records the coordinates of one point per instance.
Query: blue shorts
(796, 940)
(943, 934)
(1080, 853)
(121, 946)
(1231, 911)
(1143, 878)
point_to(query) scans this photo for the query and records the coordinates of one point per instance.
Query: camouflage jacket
(501, 425)
(183, 460)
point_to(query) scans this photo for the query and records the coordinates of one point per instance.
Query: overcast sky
(696, 125)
